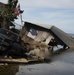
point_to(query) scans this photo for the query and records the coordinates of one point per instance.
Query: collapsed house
(43, 37)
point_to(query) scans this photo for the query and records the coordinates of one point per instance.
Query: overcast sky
(52, 12)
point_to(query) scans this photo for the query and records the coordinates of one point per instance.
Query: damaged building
(43, 37)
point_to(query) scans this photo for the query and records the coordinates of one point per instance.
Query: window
(32, 33)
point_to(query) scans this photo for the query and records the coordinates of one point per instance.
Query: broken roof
(42, 25)
(60, 35)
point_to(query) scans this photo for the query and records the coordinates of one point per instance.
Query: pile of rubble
(33, 43)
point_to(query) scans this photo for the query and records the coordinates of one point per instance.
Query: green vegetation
(8, 14)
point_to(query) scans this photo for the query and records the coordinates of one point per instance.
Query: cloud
(58, 14)
(53, 12)
(4, 1)
(48, 3)
(45, 3)
(62, 18)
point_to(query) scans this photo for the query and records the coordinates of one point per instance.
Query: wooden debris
(21, 60)
(7, 60)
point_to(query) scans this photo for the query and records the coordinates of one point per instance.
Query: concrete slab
(61, 64)
(55, 68)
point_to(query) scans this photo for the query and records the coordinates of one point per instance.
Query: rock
(6, 64)
(5, 56)
(40, 53)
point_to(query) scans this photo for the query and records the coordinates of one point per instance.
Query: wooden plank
(21, 60)
(8, 60)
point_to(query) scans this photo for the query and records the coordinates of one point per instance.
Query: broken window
(32, 33)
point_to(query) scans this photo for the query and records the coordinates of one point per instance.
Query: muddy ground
(60, 64)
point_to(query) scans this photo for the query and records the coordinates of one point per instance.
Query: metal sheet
(67, 39)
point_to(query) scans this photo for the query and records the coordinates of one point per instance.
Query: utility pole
(21, 21)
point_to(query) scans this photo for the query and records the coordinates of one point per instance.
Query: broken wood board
(21, 60)
(8, 60)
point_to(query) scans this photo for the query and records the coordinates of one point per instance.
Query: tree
(8, 14)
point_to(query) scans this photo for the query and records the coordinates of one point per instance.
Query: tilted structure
(44, 33)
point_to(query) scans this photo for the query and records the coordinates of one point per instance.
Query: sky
(59, 13)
